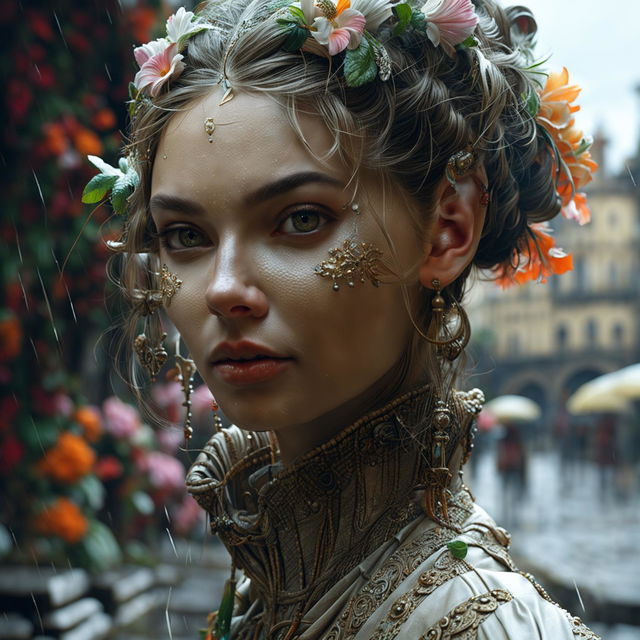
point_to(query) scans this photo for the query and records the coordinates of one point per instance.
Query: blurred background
(98, 538)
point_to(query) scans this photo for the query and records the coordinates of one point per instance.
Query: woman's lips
(245, 372)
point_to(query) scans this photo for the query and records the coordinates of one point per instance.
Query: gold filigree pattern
(462, 622)
(353, 261)
(169, 284)
(445, 568)
(400, 564)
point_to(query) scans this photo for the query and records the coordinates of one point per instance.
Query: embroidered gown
(337, 546)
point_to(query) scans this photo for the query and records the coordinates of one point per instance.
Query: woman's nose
(233, 291)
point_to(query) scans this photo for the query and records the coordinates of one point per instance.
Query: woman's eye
(304, 221)
(182, 238)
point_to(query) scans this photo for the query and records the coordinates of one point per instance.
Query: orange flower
(87, 142)
(576, 168)
(90, 421)
(55, 140)
(540, 259)
(69, 460)
(104, 120)
(10, 338)
(64, 519)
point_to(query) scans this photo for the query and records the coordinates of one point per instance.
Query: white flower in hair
(184, 24)
(146, 51)
(374, 11)
(449, 22)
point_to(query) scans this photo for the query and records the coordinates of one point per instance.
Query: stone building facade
(545, 340)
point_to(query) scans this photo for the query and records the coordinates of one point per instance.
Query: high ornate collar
(296, 530)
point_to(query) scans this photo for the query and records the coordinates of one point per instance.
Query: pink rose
(121, 420)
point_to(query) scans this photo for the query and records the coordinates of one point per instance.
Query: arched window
(562, 337)
(617, 334)
(592, 330)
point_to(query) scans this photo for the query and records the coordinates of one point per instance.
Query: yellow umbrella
(597, 396)
(511, 408)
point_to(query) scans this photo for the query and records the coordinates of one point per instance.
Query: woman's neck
(296, 440)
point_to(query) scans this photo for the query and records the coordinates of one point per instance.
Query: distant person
(512, 467)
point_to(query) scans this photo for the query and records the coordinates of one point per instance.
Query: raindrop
(108, 16)
(18, 243)
(630, 174)
(37, 432)
(167, 617)
(579, 596)
(35, 604)
(171, 541)
(166, 513)
(55, 15)
(187, 626)
(108, 72)
(35, 66)
(24, 292)
(35, 177)
(15, 540)
(46, 299)
(35, 351)
(73, 311)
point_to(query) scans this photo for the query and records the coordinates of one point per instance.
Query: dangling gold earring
(448, 347)
(439, 475)
(185, 370)
(150, 348)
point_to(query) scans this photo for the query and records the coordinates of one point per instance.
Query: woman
(312, 184)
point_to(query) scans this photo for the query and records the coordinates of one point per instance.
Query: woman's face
(244, 220)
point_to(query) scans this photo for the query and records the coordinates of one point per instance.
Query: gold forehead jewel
(209, 127)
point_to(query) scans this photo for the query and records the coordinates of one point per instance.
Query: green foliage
(360, 64)
(419, 21)
(403, 13)
(295, 38)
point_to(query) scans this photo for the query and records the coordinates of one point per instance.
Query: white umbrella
(597, 396)
(513, 409)
(626, 382)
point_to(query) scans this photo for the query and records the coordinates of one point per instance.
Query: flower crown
(347, 29)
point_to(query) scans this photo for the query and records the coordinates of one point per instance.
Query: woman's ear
(452, 237)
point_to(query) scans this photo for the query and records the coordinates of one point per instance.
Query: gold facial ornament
(353, 261)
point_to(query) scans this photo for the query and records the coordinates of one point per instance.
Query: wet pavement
(576, 534)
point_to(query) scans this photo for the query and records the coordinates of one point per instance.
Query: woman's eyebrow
(174, 203)
(288, 183)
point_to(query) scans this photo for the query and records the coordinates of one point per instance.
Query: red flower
(11, 452)
(37, 53)
(18, 98)
(43, 403)
(39, 25)
(10, 338)
(108, 468)
(78, 42)
(141, 21)
(43, 76)
(9, 407)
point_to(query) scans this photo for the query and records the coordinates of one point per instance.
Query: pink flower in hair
(158, 67)
(340, 28)
(449, 22)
